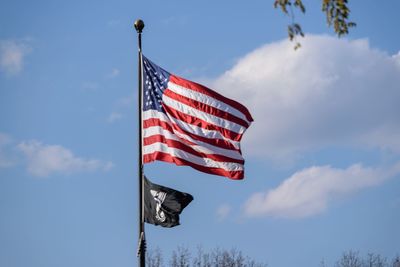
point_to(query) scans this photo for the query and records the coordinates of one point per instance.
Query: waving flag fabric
(162, 205)
(189, 124)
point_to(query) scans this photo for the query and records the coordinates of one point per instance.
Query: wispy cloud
(113, 23)
(114, 116)
(90, 86)
(309, 191)
(12, 55)
(120, 107)
(94, 85)
(330, 92)
(223, 211)
(175, 20)
(113, 73)
(6, 159)
(44, 160)
(125, 102)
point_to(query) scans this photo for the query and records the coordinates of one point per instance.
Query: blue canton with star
(155, 81)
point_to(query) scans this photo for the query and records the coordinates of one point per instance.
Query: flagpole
(139, 25)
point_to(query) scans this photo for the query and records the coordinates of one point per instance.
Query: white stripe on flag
(210, 134)
(199, 146)
(208, 100)
(206, 162)
(175, 104)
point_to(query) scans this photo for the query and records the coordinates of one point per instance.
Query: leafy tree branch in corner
(337, 15)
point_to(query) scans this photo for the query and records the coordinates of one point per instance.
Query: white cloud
(90, 86)
(108, 166)
(113, 23)
(12, 55)
(120, 106)
(175, 20)
(5, 158)
(114, 116)
(308, 192)
(223, 212)
(125, 102)
(330, 92)
(44, 160)
(397, 58)
(113, 73)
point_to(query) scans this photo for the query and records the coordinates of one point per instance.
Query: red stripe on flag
(204, 90)
(168, 126)
(201, 123)
(179, 145)
(235, 175)
(206, 108)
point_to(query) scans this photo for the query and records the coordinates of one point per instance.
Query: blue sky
(322, 157)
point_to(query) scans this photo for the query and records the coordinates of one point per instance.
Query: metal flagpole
(139, 25)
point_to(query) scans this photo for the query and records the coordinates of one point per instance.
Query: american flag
(189, 124)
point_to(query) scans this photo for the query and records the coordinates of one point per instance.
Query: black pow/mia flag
(162, 205)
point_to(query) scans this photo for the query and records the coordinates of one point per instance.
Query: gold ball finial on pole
(139, 25)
